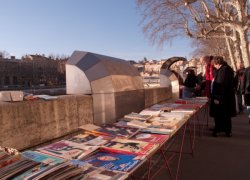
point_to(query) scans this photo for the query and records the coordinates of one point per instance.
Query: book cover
(89, 139)
(104, 174)
(138, 116)
(152, 138)
(43, 158)
(157, 130)
(111, 130)
(151, 112)
(6, 159)
(130, 146)
(114, 161)
(67, 149)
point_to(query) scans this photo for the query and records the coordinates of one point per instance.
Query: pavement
(217, 158)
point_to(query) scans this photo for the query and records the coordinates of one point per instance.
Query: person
(238, 84)
(209, 70)
(245, 90)
(222, 106)
(190, 84)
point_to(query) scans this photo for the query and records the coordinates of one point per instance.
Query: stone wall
(156, 95)
(28, 123)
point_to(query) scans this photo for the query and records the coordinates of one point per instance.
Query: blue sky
(108, 27)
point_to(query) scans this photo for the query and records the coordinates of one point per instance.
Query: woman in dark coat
(245, 89)
(222, 106)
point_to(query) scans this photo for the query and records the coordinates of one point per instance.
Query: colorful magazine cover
(43, 158)
(129, 146)
(63, 170)
(15, 169)
(6, 159)
(89, 139)
(111, 130)
(104, 174)
(114, 161)
(152, 138)
(68, 149)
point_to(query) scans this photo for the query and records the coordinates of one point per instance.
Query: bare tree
(4, 54)
(163, 20)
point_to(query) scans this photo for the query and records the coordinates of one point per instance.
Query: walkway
(219, 158)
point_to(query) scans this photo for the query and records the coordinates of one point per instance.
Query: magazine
(89, 139)
(6, 159)
(111, 130)
(150, 111)
(130, 146)
(169, 123)
(152, 138)
(63, 170)
(114, 161)
(157, 130)
(137, 116)
(104, 174)
(132, 123)
(43, 158)
(67, 149)
(17, 168)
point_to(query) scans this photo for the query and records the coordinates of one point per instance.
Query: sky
(59, 27)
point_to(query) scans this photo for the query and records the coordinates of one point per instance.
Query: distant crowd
(228, 91)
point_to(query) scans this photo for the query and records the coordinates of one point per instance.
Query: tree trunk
(244, 46)
(231, 55)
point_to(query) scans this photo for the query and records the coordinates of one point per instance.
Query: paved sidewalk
(219, 158)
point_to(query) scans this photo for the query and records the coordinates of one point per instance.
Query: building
(30, 72)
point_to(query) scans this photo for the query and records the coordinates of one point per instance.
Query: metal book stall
(115, 85)
(117, 90)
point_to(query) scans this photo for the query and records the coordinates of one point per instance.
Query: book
(152, 138)
(111, 130)
(132, 123)
(151, 112)
(17, 168)
(129, 146)
(43, 158)
(157, 130)
(45, 97)
(6, 159)
(90, 139)
(187, 111)
(63, 170)
(175, 114)
(137, 116)
(104, 174)
(166, 122)
(67, 149)
(114, 161)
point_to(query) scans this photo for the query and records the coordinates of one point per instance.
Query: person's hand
(216, 102)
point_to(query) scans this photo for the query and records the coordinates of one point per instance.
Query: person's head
(218, 61)
(240, 65)
(204, 60)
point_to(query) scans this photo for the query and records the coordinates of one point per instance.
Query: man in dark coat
(222, 106)
(245, 89)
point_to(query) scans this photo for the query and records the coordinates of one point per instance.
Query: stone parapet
(29, 123)
(156, 95)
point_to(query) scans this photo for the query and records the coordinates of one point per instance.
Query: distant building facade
(31, 71)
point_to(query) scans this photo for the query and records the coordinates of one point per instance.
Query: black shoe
(214, 134)
(228, 134)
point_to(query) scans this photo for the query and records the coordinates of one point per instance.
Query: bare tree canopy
(227, 20)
